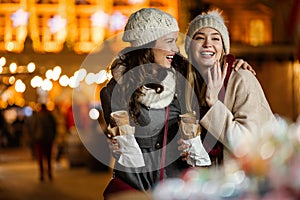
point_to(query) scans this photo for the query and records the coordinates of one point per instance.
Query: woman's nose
(175, 48)
(206, 43)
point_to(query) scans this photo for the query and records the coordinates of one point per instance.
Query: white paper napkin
(131, 154)
(198, 156)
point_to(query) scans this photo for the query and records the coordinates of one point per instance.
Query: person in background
(141, 100)
(44, 129)
(61, 136)
(231, 106)
(18, 129)
(3, 130)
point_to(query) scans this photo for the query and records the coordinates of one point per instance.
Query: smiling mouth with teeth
(207, 53)
(170, 57)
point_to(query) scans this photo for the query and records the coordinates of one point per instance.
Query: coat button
(157, 145)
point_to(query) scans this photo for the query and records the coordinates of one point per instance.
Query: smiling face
(206, 47)
(165, 49)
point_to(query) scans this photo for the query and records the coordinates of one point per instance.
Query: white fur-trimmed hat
(211, 19)
(147, 25)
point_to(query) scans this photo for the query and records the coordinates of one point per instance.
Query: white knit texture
(147, 25)
(154, 100)
(212, 19)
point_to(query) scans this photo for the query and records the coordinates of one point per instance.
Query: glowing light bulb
(30, 67)
(13, 67)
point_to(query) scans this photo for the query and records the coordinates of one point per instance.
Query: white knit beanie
(211, 19)
(147, 25)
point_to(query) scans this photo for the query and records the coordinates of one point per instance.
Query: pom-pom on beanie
(211, 19)
(147, 25)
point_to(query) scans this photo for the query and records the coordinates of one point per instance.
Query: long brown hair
(141, 69)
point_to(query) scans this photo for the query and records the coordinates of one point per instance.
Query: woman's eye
(170, 41)
(216, 39)
(199, 38)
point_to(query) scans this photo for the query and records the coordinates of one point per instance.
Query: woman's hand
(183, 147)
(240, 63)
(114, 147)
(215, 83)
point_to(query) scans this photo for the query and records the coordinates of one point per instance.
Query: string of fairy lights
(9, 76)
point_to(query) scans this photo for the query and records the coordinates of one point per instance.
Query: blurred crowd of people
(17, 128)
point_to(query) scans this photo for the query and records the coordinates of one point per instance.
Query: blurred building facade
(63, 33)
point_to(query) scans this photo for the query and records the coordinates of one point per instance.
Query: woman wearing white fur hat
(232, 106)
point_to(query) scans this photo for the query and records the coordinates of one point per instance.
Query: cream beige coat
(244, 113)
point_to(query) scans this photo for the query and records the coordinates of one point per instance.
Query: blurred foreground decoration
(270, 170)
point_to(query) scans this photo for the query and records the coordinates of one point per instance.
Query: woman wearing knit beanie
(142, 103)
(232, 106)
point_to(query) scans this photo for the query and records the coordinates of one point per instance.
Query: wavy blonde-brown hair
(195, 84)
